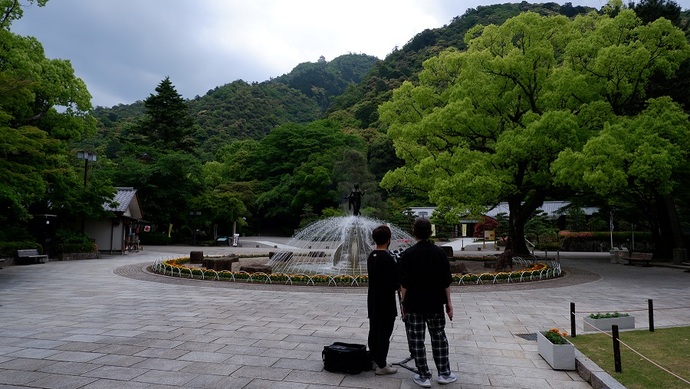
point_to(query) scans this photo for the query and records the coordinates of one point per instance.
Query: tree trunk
(521, 207)
(516, 235)
(669, 235)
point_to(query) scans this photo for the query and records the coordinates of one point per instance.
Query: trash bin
(616, 255)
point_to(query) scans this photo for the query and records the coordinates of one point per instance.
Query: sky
(123, 49)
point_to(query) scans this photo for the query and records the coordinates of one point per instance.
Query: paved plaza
(106, 323)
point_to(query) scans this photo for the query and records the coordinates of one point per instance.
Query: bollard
(572, 320)
(616, 349)
(650, 302)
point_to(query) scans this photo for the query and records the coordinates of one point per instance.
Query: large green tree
(637, 164)
(486, 125)
(166, 182)
(295, 167)
(44, 109)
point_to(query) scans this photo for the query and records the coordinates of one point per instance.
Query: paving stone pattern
(106, 323)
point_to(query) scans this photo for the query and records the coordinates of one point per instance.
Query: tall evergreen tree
(167, 123)
(651, 10)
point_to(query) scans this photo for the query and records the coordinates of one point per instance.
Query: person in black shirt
(425, 291)
(381, 304)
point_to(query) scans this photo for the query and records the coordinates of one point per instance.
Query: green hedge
(601, 240)
(618, 236)
(63, 248)
(154, 239)
(9, 249)
(548, 246)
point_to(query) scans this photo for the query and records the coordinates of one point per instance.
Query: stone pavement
(105, 323)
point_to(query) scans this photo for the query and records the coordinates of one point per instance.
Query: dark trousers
(380, 331)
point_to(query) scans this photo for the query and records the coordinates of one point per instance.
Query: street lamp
(86, 156)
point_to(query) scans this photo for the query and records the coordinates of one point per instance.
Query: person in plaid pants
(425, 280)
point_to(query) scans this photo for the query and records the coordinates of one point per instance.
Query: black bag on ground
(347, 358)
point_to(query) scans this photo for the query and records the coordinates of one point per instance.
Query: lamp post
(86, 156)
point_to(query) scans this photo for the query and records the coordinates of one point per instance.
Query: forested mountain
(353, 83)
(348, 89)
(323, 80)
(242, 110)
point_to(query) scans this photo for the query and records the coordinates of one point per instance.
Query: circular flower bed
(178, 267)
(538, 271)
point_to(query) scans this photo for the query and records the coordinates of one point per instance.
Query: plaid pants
(416, 328)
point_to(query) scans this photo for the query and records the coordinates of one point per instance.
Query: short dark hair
(421, 228)
(381, 234)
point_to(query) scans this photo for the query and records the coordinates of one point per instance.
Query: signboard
(490, 235)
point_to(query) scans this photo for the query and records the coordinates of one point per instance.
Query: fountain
(336, 245)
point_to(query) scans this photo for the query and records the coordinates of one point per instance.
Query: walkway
(107, 324)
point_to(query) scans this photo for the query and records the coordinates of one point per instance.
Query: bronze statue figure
(355, 200)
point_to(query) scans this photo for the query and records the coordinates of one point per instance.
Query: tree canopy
(11, 10)
(44, 111)
(487, 125)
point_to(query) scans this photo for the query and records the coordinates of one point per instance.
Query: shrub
(607, 315)
(550, 246)
(63, 248)
(70, 241)
(154, 239)
(601, 240)
(556, 336)
(15, 234)
(72, 237)
(9, 249)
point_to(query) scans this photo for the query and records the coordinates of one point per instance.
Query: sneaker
(388, 369)
(447, 379)
(423, 382)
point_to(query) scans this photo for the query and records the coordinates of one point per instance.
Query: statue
(355, 200)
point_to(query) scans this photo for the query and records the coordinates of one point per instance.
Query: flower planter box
(604, 324)
(558, 356)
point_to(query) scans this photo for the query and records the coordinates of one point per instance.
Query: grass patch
(669, 347)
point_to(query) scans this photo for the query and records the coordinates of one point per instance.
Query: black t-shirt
(383, 282)
(425, 274)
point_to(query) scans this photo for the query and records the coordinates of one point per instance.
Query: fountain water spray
(336, 245)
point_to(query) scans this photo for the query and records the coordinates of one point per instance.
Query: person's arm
(449, 305)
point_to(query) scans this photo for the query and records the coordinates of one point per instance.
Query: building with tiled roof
(556, 210)
(121, 231)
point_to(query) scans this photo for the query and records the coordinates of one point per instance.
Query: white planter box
(623, 322)
(558, 356)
